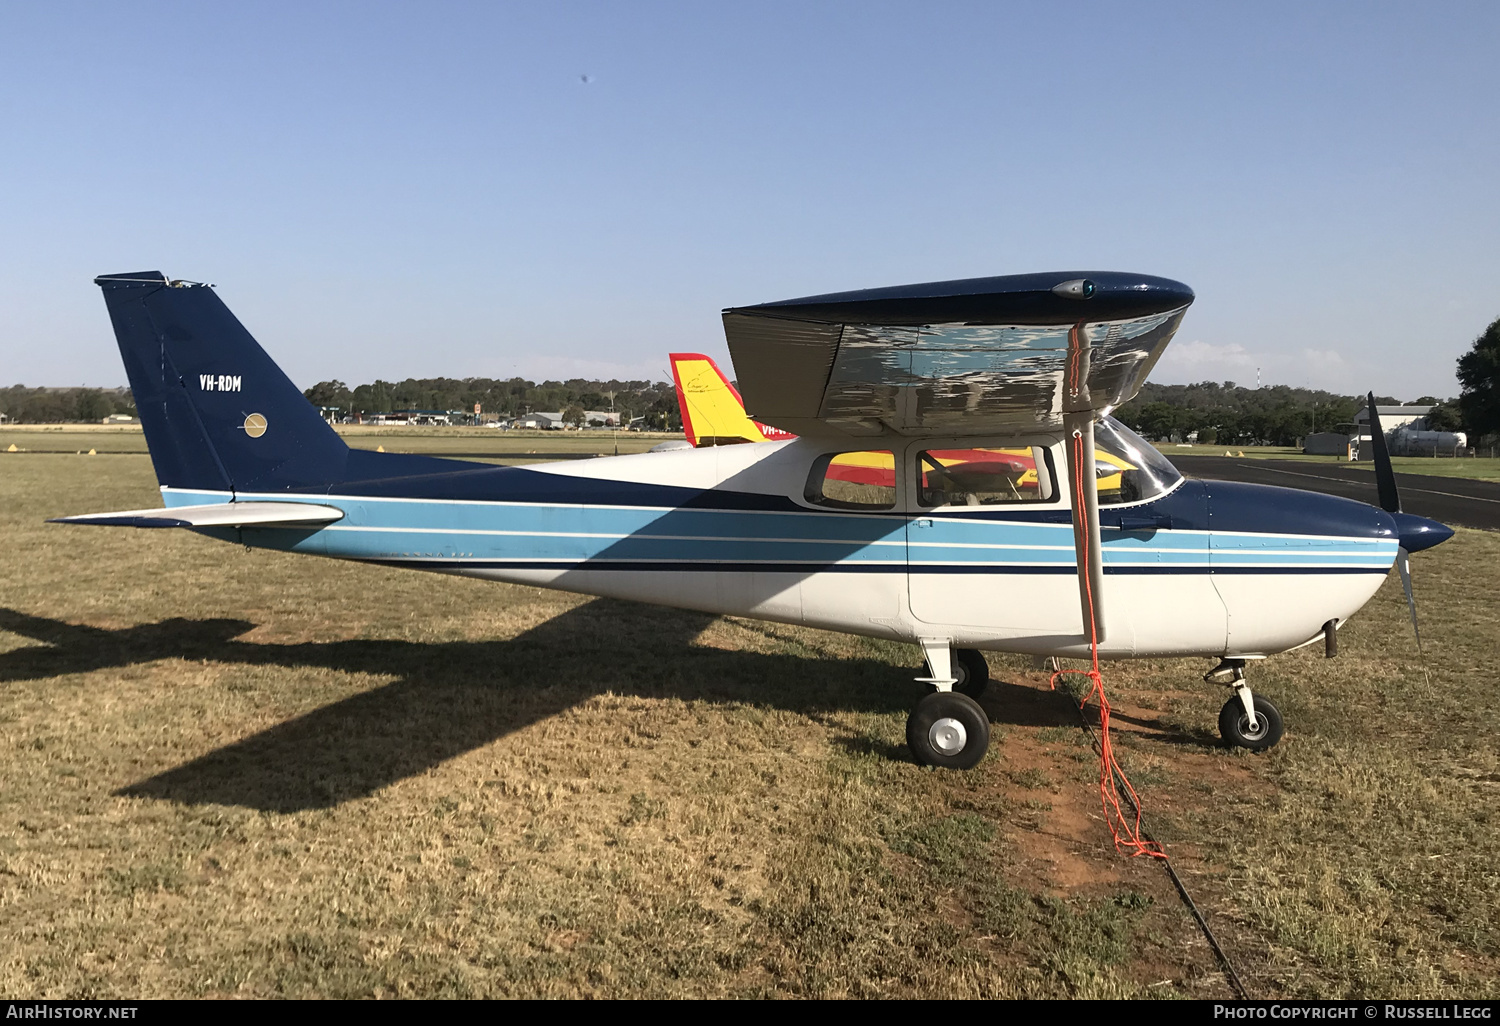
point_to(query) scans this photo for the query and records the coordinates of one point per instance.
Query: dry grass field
(233, 773)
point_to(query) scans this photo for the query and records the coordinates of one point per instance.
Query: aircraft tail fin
(712, 411)
(219, 415)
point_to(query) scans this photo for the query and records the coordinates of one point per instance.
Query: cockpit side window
(1127, 467)
(863, 480)
(984, 477)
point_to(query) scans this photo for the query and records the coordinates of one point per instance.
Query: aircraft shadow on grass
(455, 696)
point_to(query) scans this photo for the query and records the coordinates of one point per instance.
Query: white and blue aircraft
(955, 482)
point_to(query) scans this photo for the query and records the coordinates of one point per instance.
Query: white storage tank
(1407, 442)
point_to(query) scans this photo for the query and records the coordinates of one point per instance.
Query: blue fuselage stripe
(515, 535)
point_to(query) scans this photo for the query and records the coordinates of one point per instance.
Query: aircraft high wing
(980, 356)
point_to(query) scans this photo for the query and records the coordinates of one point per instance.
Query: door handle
(1139, 523)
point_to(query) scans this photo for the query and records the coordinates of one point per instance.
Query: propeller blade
(1385, 477)
(1403, 565)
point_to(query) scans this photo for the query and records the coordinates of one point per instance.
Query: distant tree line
(22, 405)
(1220, 413)
(654, 400)
(1230, 414)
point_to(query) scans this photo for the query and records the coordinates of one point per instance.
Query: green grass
(235, 773)
(1480, 468)
(1477, 469)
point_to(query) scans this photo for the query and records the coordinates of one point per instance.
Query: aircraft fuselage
(1207, 568)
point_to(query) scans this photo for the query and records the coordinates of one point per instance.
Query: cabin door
(988, 544)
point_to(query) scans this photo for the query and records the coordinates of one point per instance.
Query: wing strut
(1083, 484)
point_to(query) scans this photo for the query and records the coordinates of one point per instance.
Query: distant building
(1329, 443)
(410, 418)
(113, 418)
(601, 419)
(1392, 418)
(540, 421)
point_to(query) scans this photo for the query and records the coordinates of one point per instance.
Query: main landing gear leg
(1247, 720)
(964, 670)
(947, 728)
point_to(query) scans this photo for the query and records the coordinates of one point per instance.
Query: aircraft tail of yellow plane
(712, 411)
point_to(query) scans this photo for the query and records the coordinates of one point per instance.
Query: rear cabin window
(984, 477)
(853, 480)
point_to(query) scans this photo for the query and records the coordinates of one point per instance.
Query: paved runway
(1449, 500)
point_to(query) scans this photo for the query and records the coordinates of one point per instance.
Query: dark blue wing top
(976, 356)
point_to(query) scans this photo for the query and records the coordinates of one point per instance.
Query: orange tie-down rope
(1127, 833)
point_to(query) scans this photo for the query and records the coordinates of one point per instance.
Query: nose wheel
(1237, 730)
(1247, 720)
(948, 729)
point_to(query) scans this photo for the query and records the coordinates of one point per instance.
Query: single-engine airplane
(915, 381)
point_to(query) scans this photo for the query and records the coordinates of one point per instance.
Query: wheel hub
(948, 736)
(1253, 733)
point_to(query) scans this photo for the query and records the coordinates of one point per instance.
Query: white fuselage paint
(904, 574)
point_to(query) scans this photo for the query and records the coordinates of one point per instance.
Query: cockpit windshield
(1128, 468)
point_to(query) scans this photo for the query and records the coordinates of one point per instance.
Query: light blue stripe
(370, 529)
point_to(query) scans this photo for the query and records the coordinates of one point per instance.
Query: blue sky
(394, 190)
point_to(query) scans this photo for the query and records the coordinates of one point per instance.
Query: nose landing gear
(1247, 720)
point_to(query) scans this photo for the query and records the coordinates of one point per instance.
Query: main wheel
(948, 729)
(1234, 725)
(972, 671)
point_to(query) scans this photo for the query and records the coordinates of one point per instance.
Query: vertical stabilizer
(712, 411)
(218, 413)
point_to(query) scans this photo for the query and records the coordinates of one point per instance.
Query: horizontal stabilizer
(221, 514)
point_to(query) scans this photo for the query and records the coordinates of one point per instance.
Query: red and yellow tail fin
(712, 411)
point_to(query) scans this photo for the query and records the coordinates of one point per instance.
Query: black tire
(1234, 725)
(972, 671)
(948, 729)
